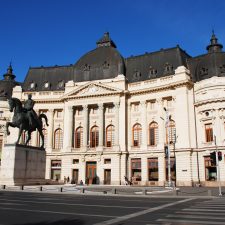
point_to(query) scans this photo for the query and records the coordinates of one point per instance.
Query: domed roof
(101, 63)
(210, 64)
(7, 84)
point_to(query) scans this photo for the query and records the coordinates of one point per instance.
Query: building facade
(112, 117)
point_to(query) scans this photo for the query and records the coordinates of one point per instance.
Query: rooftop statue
(25, 118)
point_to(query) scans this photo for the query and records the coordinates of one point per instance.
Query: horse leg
(7, 127)
(42, 137)
(20, 132)
(29, 137)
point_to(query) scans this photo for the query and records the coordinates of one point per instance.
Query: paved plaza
(35, 208)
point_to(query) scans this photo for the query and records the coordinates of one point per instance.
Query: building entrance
(75, 175)
(107, 176)
(91, 176)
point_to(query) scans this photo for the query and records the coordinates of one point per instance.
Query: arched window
(110, 136)
(153, 133)
(79, 137)
(137, 135)
(172, 132)
(94, 136)
(58, 139)
(45, 133)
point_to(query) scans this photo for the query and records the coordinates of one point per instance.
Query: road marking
(202, 213)
(186, 222)
(54, 212)
(205, 210)
(77, 204)
(129, 216)
(208, 207)
(197, 217)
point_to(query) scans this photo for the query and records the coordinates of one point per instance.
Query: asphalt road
(22, 208)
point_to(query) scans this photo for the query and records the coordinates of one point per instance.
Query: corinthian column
(144, 140)
(50, 115)
(85, 128)
(68, 127)
(101, 124)
(117, 107)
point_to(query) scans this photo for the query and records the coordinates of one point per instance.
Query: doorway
(91, 176)
(75, 175)
(107, 176)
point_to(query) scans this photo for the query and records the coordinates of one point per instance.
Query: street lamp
(168, 146)
(217, 167)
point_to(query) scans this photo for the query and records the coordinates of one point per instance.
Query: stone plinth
(22, 165)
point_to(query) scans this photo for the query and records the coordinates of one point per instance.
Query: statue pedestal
(22, 165)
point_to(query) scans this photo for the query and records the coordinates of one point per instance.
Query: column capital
(101, 106)
(70, 108)
(116, 104)
(85, 107)
(143, 103)
(51, 110)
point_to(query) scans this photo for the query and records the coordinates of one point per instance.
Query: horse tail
(45, 117)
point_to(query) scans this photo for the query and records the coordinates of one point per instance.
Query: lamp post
(168, 147)
(217, 167)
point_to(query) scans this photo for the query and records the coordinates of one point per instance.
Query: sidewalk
(120, 190)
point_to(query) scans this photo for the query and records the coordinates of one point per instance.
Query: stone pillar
(129, 127)
(117, 108)
(68, 127)
(162, 123)
(50, 115)
(85, 128)
(101, 125)
(144, 125)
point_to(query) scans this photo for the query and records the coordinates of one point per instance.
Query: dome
(210, 64)
(101, 63)
(7, 84)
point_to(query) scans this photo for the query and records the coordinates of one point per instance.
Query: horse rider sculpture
(25, 118)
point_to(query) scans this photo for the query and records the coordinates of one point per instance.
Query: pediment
(92, 89)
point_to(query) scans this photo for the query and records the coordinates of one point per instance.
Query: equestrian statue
(25, 118)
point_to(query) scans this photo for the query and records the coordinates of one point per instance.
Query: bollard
(82, 190)
(209, 192)
(21, 188)
(114, 191)
(144, 192)
(176, 192)
(3, 186)
(40, 188)
(61, 189)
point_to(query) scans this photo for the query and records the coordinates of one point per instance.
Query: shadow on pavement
(59, 222)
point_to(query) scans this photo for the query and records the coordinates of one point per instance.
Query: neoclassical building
(111, 116)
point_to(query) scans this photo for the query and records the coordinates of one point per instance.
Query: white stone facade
(116, 102)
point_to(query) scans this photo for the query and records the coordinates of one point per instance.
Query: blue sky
(59, 32)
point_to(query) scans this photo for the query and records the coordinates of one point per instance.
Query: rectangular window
(1, 113)
(167, 102)
(152, 105)
(210, 169)
(136, 107)
(153, 169)
(59, 113)
(110, 109)
(107, 161)
(75, 161)
(208, 132)
(56, 163)
(79, 112)
(136, 169)
(94, 110)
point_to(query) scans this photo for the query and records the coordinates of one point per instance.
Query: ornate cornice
(162, 88)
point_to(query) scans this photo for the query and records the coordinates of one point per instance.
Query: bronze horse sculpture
(21, 121)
